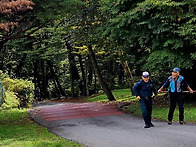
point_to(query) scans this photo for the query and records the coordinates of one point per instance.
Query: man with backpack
(176, 82)
(143, 90)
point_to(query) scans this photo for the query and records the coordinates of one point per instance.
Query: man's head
(145, 76)
(175, 72)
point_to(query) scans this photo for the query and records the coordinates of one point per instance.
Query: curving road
(102, 125)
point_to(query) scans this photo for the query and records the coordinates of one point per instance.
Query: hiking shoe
(151, 125)
(169, 122)
(182, 122)
(147, 126)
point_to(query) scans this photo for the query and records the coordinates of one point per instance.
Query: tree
(89, 17)
(23, 42)
(157, 33)
(98, 72)
(116, 39)
(14, 21)
(10, 8)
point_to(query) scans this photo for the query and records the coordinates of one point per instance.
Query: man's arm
(165, 85)
(187, 86)
(161, 89)
(135, 90)
(155, 91)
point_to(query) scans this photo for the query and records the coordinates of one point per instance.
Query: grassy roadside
(160, 111)
(120, 95)
(17, 129)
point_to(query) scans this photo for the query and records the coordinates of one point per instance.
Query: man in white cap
(175, 83)
(143, 90)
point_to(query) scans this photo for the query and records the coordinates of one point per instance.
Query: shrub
(19, 89)
(11, 100)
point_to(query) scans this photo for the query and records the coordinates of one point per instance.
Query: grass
(17, 129)
(120, 95)
(160, 111)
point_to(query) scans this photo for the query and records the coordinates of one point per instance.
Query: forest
(77, 48)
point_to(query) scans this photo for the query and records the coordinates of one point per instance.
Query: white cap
(145, 74)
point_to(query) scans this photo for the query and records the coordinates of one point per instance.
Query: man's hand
(160, 90)
(138, 97)
(191, 91)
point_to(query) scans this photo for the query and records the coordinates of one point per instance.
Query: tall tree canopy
(75, 47)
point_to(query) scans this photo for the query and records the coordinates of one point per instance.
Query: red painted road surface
(79, 110)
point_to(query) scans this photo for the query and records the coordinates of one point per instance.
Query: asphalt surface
(84, 124)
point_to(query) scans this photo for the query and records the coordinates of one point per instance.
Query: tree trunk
(86, 75)
(90, 74)
(2, 42)
(128, 74)
(56, 78)
(120, 72)
(71, 64)
(110, 74)
(83, 76)
(95, 88)
(19, 67)
(1, 46)
(2, 59)
(3, 53)
(44, 86)
(56, 87)
(37, 78)
(98, 72)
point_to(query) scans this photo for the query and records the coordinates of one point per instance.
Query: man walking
(143, 91)
(175, 83)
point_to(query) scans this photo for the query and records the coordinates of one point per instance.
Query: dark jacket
(144, 89)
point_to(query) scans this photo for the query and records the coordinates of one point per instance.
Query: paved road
(102, 125)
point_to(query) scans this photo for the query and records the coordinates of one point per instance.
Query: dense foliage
(56, 46)
(18, 92)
